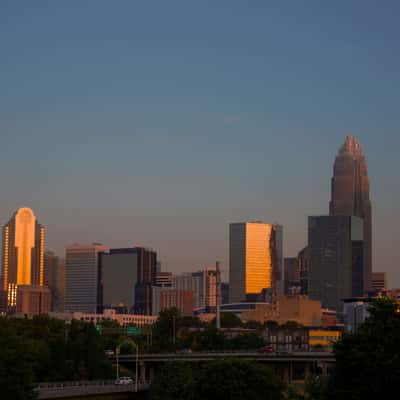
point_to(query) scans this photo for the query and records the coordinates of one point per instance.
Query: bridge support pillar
(142, 373)
(308, 371)
(324, 368)
(287, 373)
(151, 374)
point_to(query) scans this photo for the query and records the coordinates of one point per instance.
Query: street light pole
(137, 359)
(173, 328)
(117, 354)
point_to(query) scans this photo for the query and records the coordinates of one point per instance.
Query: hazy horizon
(132, 124)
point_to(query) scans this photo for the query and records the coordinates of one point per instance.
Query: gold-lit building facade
(23, 254)
(255, 259)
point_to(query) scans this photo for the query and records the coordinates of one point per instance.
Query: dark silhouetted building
(336, 259)
(146, 275)
(118, 270)
(54, 278)
(224, 292)
(303, 261)
(292, 275)
(350, 196)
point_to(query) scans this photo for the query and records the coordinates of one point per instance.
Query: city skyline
(130, 133)
(344, 149)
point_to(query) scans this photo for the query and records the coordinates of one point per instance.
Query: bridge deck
(301, 357)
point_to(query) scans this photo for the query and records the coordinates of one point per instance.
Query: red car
(266, 349)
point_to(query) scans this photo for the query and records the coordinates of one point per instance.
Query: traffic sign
(133, 330)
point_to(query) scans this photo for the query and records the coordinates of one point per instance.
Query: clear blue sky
(158, 123)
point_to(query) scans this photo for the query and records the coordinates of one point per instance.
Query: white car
(124, 380)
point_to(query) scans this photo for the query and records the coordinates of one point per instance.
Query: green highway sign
(133, 330)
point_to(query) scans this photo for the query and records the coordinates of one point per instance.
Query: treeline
(171, 332)
(44, 349)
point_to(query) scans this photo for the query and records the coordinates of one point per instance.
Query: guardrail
(54, 390)
(48, 385)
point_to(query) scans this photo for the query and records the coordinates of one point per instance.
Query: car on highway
(185, 351)
(265, 350)
(124, 380)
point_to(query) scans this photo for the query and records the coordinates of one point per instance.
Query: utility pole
(173, 329)
(218, 296)
(117, 355)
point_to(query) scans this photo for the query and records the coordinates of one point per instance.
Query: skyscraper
(54, 278)
(255, 259)
(303, 261)
(292, 275)
(350, 196)
(82, 277)
(118, 278)
(23, 255)
(146, 276)
(335, 251)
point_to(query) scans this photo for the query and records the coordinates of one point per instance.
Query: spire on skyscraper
(351, 146)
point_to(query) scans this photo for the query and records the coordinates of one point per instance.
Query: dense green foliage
(44, 349)
(368, 361)
(229, 379)
(172, 332)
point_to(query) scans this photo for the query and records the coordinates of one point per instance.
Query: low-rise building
(123, 319)
(323, 338)
(296, 308)
(300, 338)
(299, 308)
(287, 339)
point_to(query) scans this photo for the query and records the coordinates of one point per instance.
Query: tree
(270, 324)
(292, 324)
(230, 379)
(174, 381)
(238, 380)
(246, 341)
(165, 330)
(229, 320)
(368, 361)
(16, 373)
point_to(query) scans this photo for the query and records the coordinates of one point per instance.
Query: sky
(158, 123)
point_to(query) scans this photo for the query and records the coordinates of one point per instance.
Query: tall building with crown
(22, 259)
(350, 196)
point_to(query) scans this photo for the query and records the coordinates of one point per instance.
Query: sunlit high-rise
(255, 259)
(22, 256)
